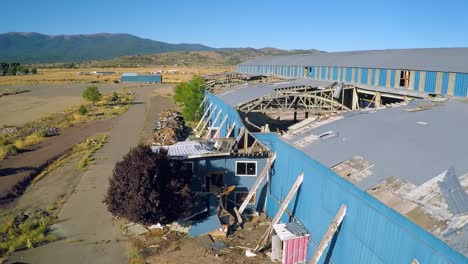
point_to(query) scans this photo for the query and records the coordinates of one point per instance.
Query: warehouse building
(369, 182)
(141, 78)
(437, 71)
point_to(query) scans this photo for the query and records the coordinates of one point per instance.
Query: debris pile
(51, 131)
(9, 130)
(169, 129)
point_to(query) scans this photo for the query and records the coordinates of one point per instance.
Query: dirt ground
(67, 76)
(175, 248)
(44, 100)
(90, 233)
(51, 191)
(22, 165)
(159, 100)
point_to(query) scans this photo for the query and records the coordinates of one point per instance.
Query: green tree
(33, 71)
(82, 110)
(189, 95)
(92, 94)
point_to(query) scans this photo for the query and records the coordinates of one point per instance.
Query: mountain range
(39, 48)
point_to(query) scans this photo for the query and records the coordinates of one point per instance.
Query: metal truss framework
(316, 102)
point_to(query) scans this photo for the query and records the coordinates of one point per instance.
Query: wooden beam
(203, 117)
(329, 234)
(204, 125)
(259, 180)
(246, 140)
(231, 129)
(280, 212)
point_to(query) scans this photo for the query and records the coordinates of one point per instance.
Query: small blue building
(141, 78)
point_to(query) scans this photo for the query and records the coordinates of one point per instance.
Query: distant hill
(39, 48)
(120, 49)
(220, 57)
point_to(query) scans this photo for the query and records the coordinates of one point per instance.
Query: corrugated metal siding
(430, 83)
(382, 77)
(370, 233)
(461, 84)
(376, 79)
(335, 73)
(348, 74)
(372, 80)
(356, 75)
(322, 73)
(445, 81)
(422, 81)
(451, 84)
(295, 250)
(364, 75)
(392, 78)
(416, 80)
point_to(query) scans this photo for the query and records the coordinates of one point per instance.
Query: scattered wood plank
(329, 234)
(280, 212)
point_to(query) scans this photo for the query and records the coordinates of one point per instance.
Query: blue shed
(141, 78)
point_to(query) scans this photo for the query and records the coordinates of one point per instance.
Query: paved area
(91, 234)
(24, 165)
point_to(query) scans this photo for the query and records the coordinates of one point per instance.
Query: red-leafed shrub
(149, 188)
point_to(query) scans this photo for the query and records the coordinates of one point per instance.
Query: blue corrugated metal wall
(430, 83)
(364, 75)
(142, 78)
(373, 76)
(445, 81)
(233, 115)
(335, 73)
(348, 74)
(416, 80)
(392, 78)
(370, 233)
(461, 84)
(228, 166)
(382, 77)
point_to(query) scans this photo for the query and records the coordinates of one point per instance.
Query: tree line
(15, 68)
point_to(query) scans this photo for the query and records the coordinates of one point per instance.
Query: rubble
(136, 229)
(169, 129)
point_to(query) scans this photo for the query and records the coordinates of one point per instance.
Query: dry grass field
(61, 76)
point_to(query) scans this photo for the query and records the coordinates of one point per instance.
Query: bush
(92, 94)
(24, 231)
(149, 188)
(7, 150)
(30, 140)
(189, 95)
(82, 110)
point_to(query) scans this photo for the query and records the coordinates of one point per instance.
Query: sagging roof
(434, 59)
(403, 156)
(189, 149)
(244, 93)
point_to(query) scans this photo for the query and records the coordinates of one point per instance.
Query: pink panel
(295, 250)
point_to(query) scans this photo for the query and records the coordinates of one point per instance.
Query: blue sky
(331, 25)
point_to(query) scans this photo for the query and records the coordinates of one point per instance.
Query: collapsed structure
(364, 167)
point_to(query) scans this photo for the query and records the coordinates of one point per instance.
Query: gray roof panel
(244, 93)
(435, 59)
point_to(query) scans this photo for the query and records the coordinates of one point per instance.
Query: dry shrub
(30, 140)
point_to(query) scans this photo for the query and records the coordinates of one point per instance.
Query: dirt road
(91, 234)
(20, 166)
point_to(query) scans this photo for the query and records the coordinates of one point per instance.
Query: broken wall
(370, 233)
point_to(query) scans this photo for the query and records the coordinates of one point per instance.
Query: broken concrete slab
(181, 227)
(136, 229)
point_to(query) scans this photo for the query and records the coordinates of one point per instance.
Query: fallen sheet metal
(208, 224)
(456, 197)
